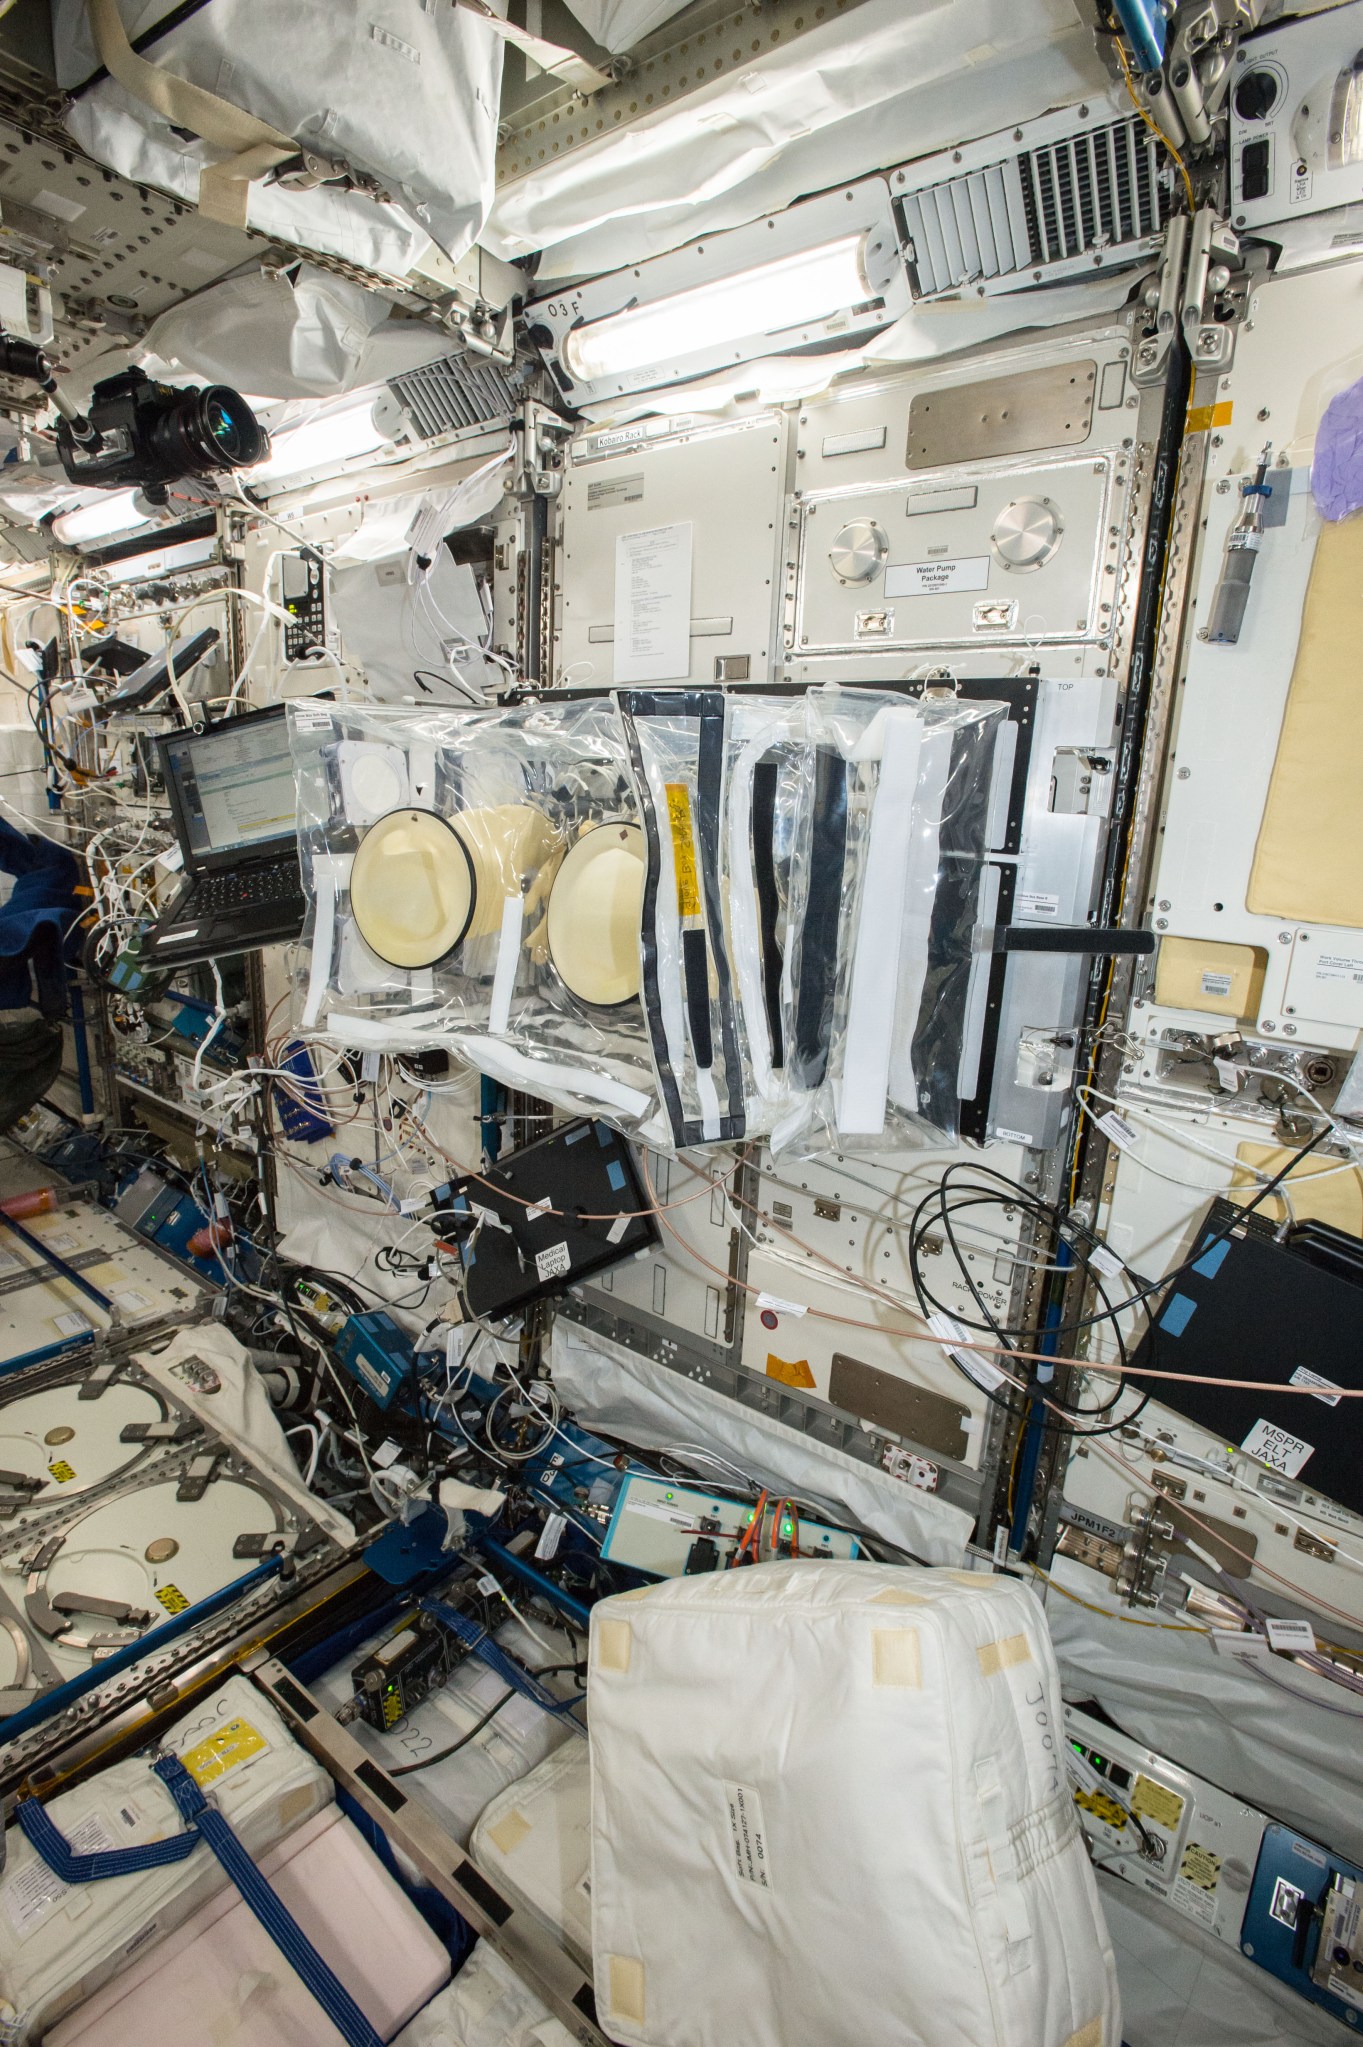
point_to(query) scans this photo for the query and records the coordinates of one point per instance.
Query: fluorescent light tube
(335, 437)
(767, 300)
(108, 516)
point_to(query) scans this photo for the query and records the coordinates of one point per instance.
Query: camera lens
(202, 431)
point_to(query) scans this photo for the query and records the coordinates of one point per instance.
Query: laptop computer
(231, 791)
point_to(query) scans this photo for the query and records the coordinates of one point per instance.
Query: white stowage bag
(534, 1841)
(829, 1808)
(59, 1942)
(485, 2006)
(398, 92)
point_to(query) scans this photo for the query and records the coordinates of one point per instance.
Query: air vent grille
(455, 392)
(1097, 191)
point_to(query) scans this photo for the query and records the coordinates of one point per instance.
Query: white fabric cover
(222, 1979)
(871, 87)
(534, 1841)
(1182, 1987)
(1293, 1756)
(620, 24)
(310, 338)
(624, 1394)
(485, 2006)
(828, 1804)
(401, 92)
(59, 1943)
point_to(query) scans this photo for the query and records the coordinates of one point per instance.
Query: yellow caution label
(683, 849)
(61, 1471)
(1202, 418)
(235, 1742)
(1200, 1866)
(1156, 1802)
(172, 1598)
(1102, 1807)
(790, 1371)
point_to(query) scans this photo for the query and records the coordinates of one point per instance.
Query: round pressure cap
(411, 888)
(594, 913)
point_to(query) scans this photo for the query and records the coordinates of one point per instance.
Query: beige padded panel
(1306, 864)
(1204, 973)
(1090, 2035)
(626, 1988)
(1337, 1200)
(509, 1832)
(996, 1656)
(613, 1642)
(896, 1658)
(892, 1596)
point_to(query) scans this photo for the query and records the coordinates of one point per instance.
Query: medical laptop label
(749, 1835)
(1273, 1446)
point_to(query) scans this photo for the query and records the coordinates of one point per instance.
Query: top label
(934, 579)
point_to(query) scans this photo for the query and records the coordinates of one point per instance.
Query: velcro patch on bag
(626, 1977)
(997, 1656)
(614, 1641)
(1090, 2035)
(892, 1596)
(896, 1658)
(509, 1832)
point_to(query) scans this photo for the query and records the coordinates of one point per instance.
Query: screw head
(1268, 1024)
(1165, 906)
(1284, 938)
(1183, 774)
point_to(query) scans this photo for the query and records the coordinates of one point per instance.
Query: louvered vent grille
(1092, 191)
(455, 392)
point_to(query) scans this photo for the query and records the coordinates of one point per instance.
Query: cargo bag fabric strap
(252, 146)
(1003, 1862)
(205, 1824)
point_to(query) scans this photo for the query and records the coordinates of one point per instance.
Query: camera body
(146, 435)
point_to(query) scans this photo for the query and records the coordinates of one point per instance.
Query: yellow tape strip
(683, 849)
(1202, 418)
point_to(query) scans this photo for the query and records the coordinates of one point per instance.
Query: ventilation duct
(439, 398)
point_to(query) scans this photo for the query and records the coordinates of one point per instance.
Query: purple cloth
(1337, 467)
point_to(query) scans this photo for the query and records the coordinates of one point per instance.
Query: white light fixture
(113, 514)
(825, 273)
(812, 284)
(319, 443)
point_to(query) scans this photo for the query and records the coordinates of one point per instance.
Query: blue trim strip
(49, 1257)
(56, 1851)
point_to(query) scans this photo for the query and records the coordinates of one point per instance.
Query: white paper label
(1326, 1510)
(653, 604)
(32, 1892)
(128, 1297)
(1217, 984)
(1329, 1393)
(1104, 1261)
(60, 1240)
(311, 717)
(387, 1453)
(617, 1229)
(488, 1586)
(1194, 1900)
(779, 1306)
(749, 1835)
(411, 1204)
(976, 1365)
(1117, 1130)
(1340, 966)
(657, 1510)
(1033, 902)
(1296, 1637)
(551, 1535)
(1275, 1447)
(932, 579)
(537, 1209)
(553, 1263)
(1013, 1136)
(1239, 1644)
(369, 1067)
(71, 1325)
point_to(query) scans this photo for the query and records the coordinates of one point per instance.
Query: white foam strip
(324, 879)
(875, 966)
(508, 959)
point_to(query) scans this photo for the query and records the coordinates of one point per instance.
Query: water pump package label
(1274, 1446)
(931, 579)
(749, 1835)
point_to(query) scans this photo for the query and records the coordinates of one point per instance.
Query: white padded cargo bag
(534, 1842)
(829, 1809)
(487, 2005)
(59, 1942)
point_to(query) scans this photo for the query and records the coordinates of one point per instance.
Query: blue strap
(202, 1823)
(283, 1929)
(57, 1852)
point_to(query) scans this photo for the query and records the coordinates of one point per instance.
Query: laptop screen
(236, 786)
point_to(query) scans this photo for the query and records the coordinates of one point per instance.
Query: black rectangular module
(1250, 1307)
(549, 1215)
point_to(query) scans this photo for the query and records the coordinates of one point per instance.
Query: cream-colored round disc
(411, 888)
(594, 912)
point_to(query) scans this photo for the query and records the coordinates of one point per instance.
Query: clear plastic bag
(476, 877)
(900, 796)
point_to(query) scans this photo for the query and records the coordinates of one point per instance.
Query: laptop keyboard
(227, 891)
